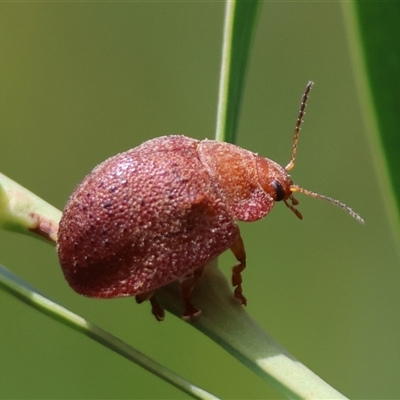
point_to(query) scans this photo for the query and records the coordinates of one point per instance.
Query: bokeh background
(80, 82)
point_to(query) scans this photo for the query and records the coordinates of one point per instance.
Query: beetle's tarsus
(240, 253)
(191, 312)
(238, 294)
(156, 309)
(237, 282)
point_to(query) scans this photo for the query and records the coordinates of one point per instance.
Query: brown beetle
(162, 211)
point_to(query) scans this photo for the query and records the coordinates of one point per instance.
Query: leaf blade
(240, 22)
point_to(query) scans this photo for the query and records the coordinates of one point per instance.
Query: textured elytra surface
(142, 219)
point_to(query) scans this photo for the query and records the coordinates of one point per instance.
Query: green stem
(239, 27)
(224, 74)
(24, 212)
(29, 295)
(228, 324)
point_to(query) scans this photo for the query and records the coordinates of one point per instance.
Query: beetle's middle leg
(187, 286)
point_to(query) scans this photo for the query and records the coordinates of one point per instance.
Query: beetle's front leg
(240, 253)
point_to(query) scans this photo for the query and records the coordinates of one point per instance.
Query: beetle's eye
(279, 192)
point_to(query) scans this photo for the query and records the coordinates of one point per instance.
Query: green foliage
(240, 24)
(379, 34)
(81, 82)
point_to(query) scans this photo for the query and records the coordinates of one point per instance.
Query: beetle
(162, 211)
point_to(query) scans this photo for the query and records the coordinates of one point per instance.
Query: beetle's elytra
(162, 211)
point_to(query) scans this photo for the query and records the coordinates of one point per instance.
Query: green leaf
(374, 35)
(240, 22)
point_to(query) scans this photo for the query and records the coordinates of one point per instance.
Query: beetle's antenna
(298, 124)
(295, 188)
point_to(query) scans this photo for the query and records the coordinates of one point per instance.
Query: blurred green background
(80, 82)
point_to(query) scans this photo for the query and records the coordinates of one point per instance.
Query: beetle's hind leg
(156, 309)
(240, 253)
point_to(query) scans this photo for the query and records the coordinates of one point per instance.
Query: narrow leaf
(29, 295)
(374, 36)
(240, 22)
